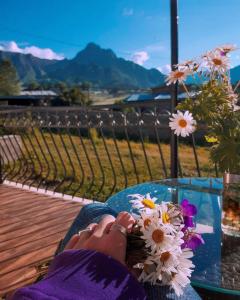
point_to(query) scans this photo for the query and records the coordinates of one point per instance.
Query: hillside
(99, 66)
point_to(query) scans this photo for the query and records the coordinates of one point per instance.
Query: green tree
(86, 86)
(9, 83)
(33, 86)
(74, 95)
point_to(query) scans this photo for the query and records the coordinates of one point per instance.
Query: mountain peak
(100, 66)
(93, 52)
(92, 46)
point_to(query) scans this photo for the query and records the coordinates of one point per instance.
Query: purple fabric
(84, 274)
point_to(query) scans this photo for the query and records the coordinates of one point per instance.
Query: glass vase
(231, 205)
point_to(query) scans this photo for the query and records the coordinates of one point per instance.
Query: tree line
(10, 85)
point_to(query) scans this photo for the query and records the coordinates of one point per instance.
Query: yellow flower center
(158, 236)
(178, 74)
(146, 223)
(165, 256)
(148, 203)
(165, 218)
(217, 61)
(146, 268)
(182, 123)
(149, 268)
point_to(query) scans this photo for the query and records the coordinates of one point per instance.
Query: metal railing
(94, 152)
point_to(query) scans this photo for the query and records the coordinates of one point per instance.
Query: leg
(165, 293)
(91, 213)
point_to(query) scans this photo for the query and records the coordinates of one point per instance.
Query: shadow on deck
(31, 226)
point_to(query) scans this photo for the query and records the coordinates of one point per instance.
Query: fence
(94, 152)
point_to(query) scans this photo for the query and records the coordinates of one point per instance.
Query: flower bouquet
(161, 243)
(212, 101)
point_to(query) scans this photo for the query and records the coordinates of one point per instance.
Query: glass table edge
(215, 289)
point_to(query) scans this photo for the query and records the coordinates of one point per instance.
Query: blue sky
(135, 29)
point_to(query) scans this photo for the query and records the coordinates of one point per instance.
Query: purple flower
(188, 209)
(193, 241)
(188, 221)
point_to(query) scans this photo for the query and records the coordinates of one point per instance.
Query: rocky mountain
(29, 67)
(100, 66)
(235, 74)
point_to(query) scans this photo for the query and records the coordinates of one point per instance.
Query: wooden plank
(36, 209)
(12, 198)
(33, 220)
(33, 228)
(37, 235)
(6, 219)
(41, 215)
(34, 245)
(18, 278)
(27, 199)
(16, 206)
(27, 259)
(6, 189)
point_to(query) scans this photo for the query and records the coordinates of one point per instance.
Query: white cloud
(46, 53)
(140, 57)
(157, 47)
(165, 69)
(127, 12)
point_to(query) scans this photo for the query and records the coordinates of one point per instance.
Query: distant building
(155, 97)
(33, 98)
(163, 100)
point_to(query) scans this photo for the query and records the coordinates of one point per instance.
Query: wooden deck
(31, 226)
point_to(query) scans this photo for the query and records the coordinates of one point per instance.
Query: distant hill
(235, 74)
(29, 67)
(100, 66)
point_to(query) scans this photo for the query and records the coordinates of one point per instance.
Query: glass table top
(217, 262)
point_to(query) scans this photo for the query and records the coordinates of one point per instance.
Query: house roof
(38, 93)
(154, 96)
(30, 95)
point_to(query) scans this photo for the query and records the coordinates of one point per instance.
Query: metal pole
(174, 87)
(1, 171)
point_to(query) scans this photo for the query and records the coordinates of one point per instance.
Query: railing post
(1, 171)
(174, 87)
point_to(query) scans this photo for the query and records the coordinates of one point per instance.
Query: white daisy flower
(233, 98)
(178, 238)
(157, 237)
(160, 226)
(182, 124)
(180, 279)
(147, 218)
(226, 48)
(178, 282)
(217, 62)
(179, 75)
(166, 261)
(170, 214)
(191, 65)
(184, 262)
(148, 273)
(143, 202)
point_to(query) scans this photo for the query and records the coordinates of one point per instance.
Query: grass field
(94, 169)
